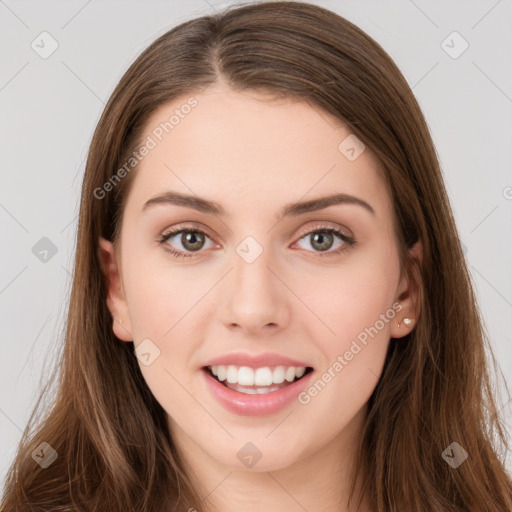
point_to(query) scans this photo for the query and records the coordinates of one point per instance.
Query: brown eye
(192, 240)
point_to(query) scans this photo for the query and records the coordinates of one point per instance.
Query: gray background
(49, 108)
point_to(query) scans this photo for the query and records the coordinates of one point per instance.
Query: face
(253, 287)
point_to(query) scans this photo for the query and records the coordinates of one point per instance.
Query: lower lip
(255, 405)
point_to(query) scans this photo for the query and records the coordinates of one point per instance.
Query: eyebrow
(292, 209)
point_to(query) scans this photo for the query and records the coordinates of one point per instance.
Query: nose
(253, 299)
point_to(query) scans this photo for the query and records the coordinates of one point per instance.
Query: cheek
(158, 295)
(357, 306)
(162, 310)
(351, 297)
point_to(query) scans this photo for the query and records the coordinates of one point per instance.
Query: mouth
(256, 380)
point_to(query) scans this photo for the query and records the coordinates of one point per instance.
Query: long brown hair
(114, 450)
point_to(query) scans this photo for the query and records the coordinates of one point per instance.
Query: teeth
(254, 391)
(232, 374)
(290, 374)
(299, 372)
(220, 372)
(247, 376)
(278, 375)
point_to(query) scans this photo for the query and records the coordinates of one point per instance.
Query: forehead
(251, 147)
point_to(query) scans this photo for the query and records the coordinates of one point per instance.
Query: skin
(253, 156)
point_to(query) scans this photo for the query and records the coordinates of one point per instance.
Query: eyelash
(349, 241)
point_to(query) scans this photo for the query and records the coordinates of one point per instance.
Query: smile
(272, 388)
(245, 379)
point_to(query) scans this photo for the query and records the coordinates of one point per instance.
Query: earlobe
(408, 295)
(115, 299)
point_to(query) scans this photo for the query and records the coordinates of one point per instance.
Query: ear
(116, 300)
(408, 295)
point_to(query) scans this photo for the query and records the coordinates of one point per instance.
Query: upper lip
(256, 361)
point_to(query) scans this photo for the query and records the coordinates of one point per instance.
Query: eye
(191, 239)
(322, 239)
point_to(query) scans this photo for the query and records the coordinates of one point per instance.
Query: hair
(114, 448)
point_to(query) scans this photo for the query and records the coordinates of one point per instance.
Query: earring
(407, 321)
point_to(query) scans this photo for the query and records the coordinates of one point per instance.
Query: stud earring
(407, 321)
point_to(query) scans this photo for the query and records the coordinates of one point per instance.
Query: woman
(270, 306)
